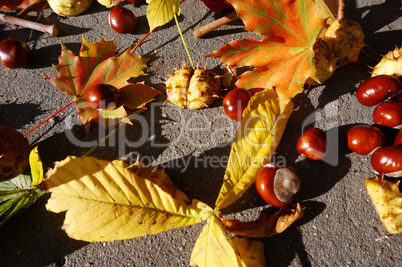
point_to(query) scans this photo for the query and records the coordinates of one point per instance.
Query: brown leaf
(267, 224)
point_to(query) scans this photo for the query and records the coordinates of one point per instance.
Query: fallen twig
(36, 6)
(51, 29)
(199, 32)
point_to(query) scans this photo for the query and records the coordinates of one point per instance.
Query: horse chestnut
(377, 89)
(14, 54)
(388, 161)
(103, 96)
(122, 20)
(277, 185)
(235, 102)
(363, 139)
(388, 113)
(313, 144)
(398, 138)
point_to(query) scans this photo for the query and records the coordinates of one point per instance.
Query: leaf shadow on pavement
(18, 115)
(374, 19)
(33, 237)
(282, 249)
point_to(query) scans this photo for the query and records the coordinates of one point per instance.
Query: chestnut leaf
(107, 201)
(264, 121)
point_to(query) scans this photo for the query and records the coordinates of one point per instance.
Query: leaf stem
(51, 29)
(184, 42)
(341, 8)
(201, 31)
(54, 114)
(141, 41)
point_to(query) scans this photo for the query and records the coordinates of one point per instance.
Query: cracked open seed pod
(193, 89)
(69, 8)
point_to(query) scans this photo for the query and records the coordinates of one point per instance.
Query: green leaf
(259, 133)
(160, 12)
(15, 194)
(106, 201)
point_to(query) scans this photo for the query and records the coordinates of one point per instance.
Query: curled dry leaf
(267, 224)
(345, 38)
(390, 64)
(387, 200)
(105, 201)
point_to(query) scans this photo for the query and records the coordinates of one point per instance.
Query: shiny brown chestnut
(313, 144)
(14, 54)
(388, 113)
(363, 139)
(398, 138)
(378, 89)
(388, 161)
(103, 96)
(277, 185)
(122, 20)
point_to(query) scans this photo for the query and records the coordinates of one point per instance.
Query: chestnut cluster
(382, 91)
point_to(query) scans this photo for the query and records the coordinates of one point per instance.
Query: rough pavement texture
(340, 226)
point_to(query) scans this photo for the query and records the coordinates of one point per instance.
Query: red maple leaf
(217, 5)
(283, 59)
(97, 64)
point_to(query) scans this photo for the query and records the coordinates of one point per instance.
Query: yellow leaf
(214, 247)
(387, 200)
(105, 201)
(36, 166)
(251, 251)
(160, 12)
(259, 133)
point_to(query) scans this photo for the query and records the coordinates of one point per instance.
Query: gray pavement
(340, 226)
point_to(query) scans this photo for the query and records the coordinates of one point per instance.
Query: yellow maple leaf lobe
(387, 200)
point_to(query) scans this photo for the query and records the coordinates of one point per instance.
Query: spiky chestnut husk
(177, 86)
(324, 61)
(204, 89)
(69, 8)
(345, 38)
(193, 89)
(14, 153)
(390, 64)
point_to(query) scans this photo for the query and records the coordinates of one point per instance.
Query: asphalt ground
(340, 226)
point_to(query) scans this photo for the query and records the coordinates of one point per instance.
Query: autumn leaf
(21, 192)
(387, 200)
(251, 251)
(214, 247)
(283, 59)
(160, 12)
(259, 133)
(15, 4)
(96, 64)
(267, 224)
(106, 201)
